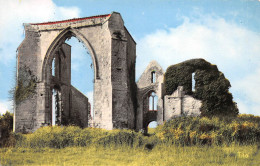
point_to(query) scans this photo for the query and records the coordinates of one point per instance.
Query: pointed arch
(56, 44)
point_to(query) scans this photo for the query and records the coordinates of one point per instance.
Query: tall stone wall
(123, 70)
(119, 102)
(27, 71)
(79, 108)
(64, 81)
(113, 54)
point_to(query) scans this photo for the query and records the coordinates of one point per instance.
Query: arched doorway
(151, 127)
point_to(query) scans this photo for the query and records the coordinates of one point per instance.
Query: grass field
(180, 141)
(160, 155)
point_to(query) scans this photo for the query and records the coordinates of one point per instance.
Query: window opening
(153, 79)
(153, 100)
(150, 103)
(59, 68)
(82, 70)
(53, 67)
(55, 108)
(193, 82)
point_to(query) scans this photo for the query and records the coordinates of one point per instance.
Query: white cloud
(216, 40)
(5, 106)
(14, 13)
(249, 92)
(234, 49)
(64, 12)
(251, 84)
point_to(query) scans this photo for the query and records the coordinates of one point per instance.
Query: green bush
(6, 128)
(214, 130)
(64, 136)
(243, 129)
(211, 86)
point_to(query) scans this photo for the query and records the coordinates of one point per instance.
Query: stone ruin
(44, 79)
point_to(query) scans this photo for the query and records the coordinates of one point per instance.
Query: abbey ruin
(119, 101)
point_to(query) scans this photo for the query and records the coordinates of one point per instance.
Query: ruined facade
(154, 105)
(44, 79)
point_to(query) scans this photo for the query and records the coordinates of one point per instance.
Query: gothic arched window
(153, 100)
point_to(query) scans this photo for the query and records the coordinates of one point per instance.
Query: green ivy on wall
(26, 85)
(211, 86)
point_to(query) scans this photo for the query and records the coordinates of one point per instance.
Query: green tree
(211, 86)
(6, 127)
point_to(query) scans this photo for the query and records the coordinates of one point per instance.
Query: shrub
(244, 129)
(6, 127)
(213, 130)
(211, 86)
(64, 136)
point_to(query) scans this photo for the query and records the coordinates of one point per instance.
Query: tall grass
(231, 141)
(60, 137)
(244, 129)
(160, 155)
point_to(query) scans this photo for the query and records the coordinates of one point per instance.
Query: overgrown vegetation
(179, 141)
(26, 85)
(184, 131)
(211, 86)
(60, 137)
(6, 128)
(242, 130)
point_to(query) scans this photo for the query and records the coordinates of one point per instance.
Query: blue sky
(224, 32)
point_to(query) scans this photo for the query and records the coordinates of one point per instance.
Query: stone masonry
(44, 79)
(167, 106)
